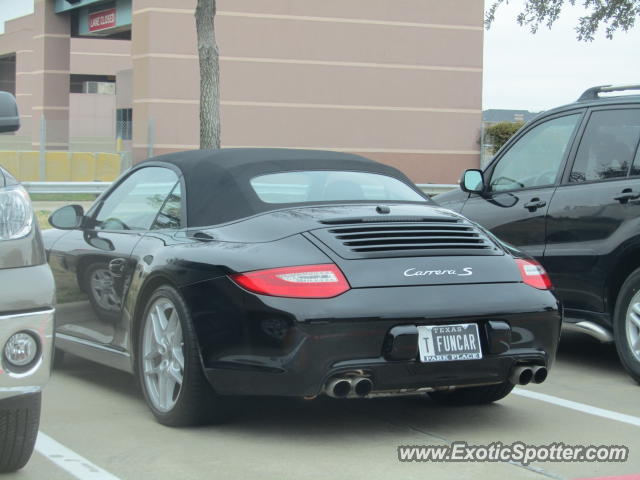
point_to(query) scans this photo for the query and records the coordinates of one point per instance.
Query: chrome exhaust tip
(362, 386)
(521, 376)
(539, 374)
(338, 388)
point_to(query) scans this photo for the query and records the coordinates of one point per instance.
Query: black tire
(629, 360)
(19, 421)
(473, 395)
(196, 403)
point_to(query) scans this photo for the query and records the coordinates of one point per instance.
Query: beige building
(399, 81)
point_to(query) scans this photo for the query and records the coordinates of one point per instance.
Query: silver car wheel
(103, 290)
(163, 355)
(633, 326)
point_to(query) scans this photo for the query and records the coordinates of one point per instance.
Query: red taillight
(533, 274)
(310, 281)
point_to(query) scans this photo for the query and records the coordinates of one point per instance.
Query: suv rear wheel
(626, 324)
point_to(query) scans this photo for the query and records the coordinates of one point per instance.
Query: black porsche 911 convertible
(293, 273)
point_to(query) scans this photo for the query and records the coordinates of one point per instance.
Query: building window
(104, 84)
(8, 73)
(124, 122)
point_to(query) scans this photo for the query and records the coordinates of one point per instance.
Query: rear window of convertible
(331, 186)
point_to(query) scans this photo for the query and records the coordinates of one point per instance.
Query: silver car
(26, 314)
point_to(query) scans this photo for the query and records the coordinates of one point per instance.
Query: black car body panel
(270, 345)
(424, 265)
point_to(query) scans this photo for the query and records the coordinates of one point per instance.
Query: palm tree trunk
(209, 74)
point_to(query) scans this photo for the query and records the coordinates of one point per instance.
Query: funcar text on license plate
(446, 343)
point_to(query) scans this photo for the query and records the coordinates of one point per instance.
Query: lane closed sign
(102, 20)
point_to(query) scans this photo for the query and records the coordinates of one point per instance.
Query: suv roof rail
(592, 93)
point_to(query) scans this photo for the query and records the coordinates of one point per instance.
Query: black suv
(566, 190)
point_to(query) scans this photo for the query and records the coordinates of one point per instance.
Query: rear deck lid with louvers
(380, 237)
(411, 251)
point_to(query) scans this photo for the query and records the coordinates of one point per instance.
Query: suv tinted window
(536, 157)
(134, 204)
(608, 145)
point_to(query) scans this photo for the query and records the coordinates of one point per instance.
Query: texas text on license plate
(446, 343)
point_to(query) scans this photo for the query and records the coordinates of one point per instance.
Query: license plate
(448, 343)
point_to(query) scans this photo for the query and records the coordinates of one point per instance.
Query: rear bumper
(39, 324)
(386, 376)
(257, 345)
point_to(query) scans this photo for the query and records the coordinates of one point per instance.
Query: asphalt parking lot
(97, 426)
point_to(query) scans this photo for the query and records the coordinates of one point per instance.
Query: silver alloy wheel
(163, 354)
(633, 326)
(103, 291)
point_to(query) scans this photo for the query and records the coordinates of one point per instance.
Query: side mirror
(472, 181)
(9, 118)
(68, 217)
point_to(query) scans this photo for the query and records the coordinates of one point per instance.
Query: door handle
(535, 204)
(626, 195)
(116, 266)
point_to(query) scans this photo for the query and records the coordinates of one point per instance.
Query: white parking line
(69, 460)
(580, 407)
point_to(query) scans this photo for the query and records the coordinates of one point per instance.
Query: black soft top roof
(218, 181)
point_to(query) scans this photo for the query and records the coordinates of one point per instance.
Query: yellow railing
(62, 166)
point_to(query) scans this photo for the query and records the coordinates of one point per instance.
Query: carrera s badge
(412, 272)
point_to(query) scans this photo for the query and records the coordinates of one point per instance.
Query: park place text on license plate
(446, 343)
